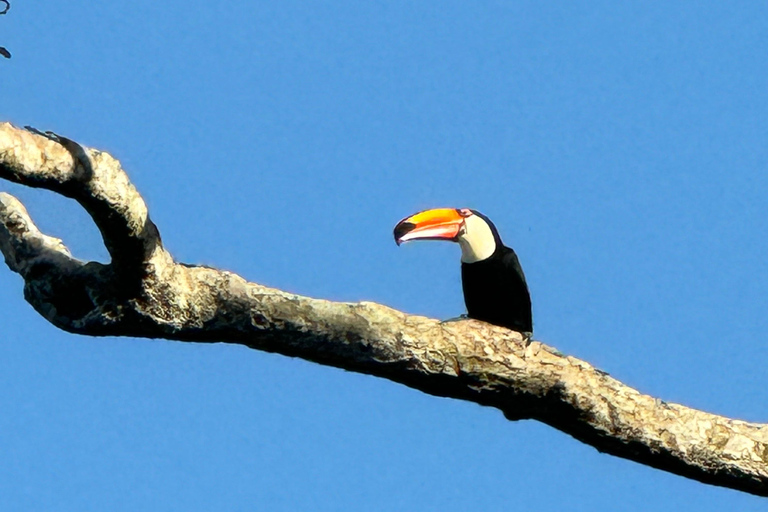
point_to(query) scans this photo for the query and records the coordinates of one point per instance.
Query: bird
(492, 279)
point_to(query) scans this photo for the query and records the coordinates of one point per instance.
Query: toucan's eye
(464, 212)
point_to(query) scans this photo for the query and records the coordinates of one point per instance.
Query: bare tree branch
(144, 293)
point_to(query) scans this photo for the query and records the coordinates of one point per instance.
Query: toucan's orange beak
(437, 224)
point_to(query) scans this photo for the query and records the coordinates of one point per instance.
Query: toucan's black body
(495, 291)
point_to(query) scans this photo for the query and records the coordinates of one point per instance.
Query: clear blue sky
(620, 147)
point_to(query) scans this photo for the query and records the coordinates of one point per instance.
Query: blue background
(620, 147)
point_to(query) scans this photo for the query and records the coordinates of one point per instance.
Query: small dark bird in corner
(3, 51)
(491, 276)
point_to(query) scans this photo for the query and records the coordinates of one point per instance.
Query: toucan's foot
(455, 319)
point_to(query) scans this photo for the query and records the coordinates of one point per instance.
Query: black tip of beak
(401, 229)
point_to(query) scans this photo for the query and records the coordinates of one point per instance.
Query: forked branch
(144, 293)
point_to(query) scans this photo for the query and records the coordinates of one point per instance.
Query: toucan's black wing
(495, 291)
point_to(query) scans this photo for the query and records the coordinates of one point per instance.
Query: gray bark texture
(143, 292)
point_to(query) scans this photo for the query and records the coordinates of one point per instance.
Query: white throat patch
(476, 241)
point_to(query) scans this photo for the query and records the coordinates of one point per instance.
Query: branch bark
(143, 292)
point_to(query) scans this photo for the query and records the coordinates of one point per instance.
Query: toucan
(491, 276)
